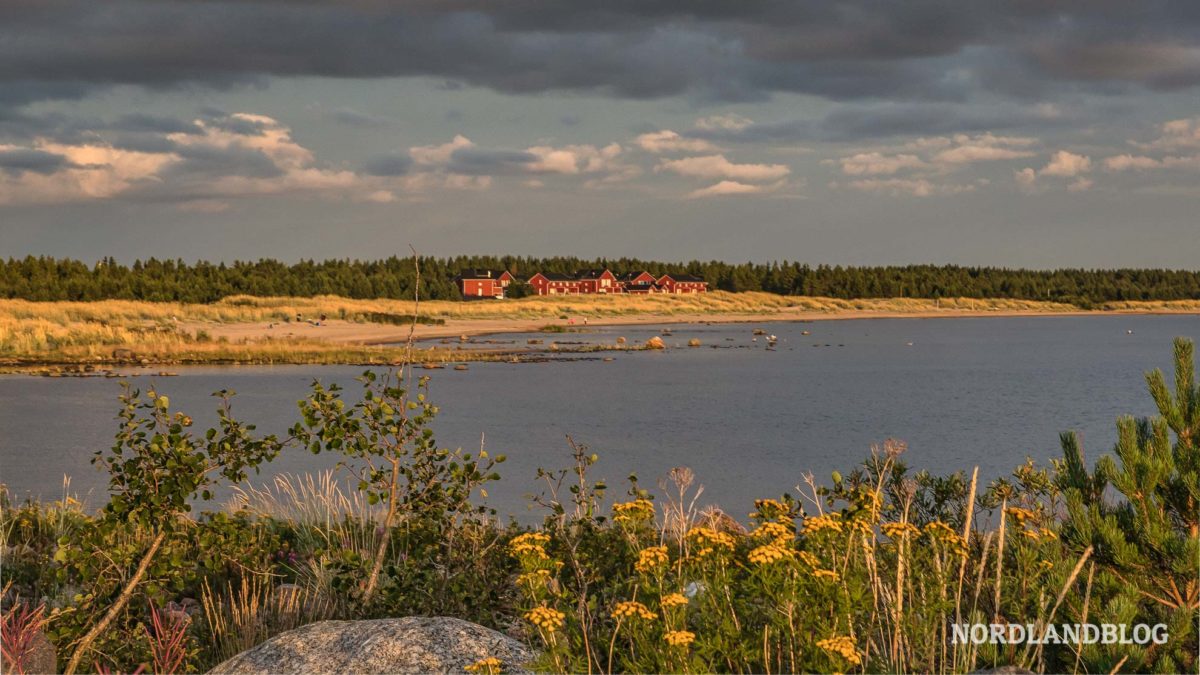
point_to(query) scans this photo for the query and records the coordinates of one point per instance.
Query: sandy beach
(330, 329)
(347, 332)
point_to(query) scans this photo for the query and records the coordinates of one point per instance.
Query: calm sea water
(749, 421)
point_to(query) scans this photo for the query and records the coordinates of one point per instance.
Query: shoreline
(474, 328)
(90, 338)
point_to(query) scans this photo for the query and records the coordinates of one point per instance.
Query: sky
(1021, 133)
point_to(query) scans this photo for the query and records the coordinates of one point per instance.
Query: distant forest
(44, 278)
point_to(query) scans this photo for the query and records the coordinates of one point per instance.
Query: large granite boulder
(408, 645)
(40, 656)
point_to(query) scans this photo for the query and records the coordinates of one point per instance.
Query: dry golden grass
(178, 332)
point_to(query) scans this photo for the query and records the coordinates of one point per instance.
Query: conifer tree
(1140, 510)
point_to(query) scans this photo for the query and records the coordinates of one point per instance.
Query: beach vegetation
(870, 570)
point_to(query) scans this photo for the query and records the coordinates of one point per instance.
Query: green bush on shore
(867, 572)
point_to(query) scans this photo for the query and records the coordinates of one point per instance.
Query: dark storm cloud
(144, 143)
(353, 118)
(388, 165)
(35, 161)
(858, 122)
(479, 162)
(239, 125)
(713, 49)
(138, 122)
(216, 162)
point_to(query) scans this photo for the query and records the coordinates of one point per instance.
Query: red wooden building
(553, 283)
(598, 281)
(483, 283)
(639, 282)
(682, 283)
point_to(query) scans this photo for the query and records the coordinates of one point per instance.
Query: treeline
(45, 278)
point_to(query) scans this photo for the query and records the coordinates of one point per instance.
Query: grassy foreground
(866, 572)
(235, 329)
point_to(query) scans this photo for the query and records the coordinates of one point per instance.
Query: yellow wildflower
(808, 559)
(774, 530)
(1048, 533)
(651, 558)
(765, 555)
(534, 578)
(632, 609)
(858, 525)
(1019, 514)
(531, 544)
(939, 531)
(771, 509)
(899, 530)
(816, 524)
(633, 512)
(709, 541)
(679, 638)
(826, 574)
(673, 600)
(843, 647)
(546, 618)
(489, 666)
(1046, 565)
(769, 505)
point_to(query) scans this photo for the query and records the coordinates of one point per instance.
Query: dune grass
(75, 332)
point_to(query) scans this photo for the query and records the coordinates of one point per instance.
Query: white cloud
(381, 197)
(1143, 163)
(918, 164)
(91, 171)
(94, 169)
(730, 187)
(1062, 164)
(670, 141)
(717, 166)
(581, 159)
(1176, 135)
(876, 163)
(1066, 165)
(729, 122)
(439, 155)
(971, 152)
(1128, 162)
(915, 187)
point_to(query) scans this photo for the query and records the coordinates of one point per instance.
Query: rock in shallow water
(408, 645)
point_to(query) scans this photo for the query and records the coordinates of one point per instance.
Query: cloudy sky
(1036, 133)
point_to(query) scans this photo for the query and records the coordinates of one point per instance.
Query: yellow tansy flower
(529, 544)
(489, 666)
(673, 600)
(546, 618)
(1019, 514)
(843, 647)
(709, 541)
(831, 575)
(632, 609)
(939, 531)
(633, 512)
(774, 530)
(765, 555)
(679, 638)
(899, 530)
(651, 558)
(828, 522)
